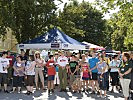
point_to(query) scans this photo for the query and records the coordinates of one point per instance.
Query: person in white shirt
(4, 65)
(62, 62)
(114, 64)
(30, 73)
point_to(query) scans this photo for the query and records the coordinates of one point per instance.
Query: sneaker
(52, 90)
(98, 93)
(79, 91)
(27, 93)
(61, 90)
(65, 90)
(93, 92)
(83, 90)
(112, 91)
(49, 91)
(31, 93)
(6, 91)
(74, 91)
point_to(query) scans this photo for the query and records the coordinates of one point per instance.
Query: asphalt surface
(43, 95)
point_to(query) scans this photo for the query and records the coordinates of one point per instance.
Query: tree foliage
(26, 18)
(82, 22)
(121, 23)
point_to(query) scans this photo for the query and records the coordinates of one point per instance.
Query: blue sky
(106, 16)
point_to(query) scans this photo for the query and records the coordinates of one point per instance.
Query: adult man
(62, 62)
(4, 65)
(24, 57)
(11, 61)
(93, 67)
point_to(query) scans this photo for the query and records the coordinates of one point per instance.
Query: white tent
(91, 46)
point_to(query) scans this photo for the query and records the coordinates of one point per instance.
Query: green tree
(26, 18)
(121, 23)
(83, 22)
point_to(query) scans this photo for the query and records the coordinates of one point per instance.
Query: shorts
(30, 80)
(3, 77)
(17, 81)
(94, 76)
(85, 78)
(51, 78)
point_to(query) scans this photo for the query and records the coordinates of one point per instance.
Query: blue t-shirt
(92, 62)
(57, 68)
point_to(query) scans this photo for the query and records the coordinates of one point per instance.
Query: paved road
(43, 95)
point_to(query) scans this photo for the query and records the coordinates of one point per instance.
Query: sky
(106, 16)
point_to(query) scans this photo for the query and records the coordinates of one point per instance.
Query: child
(76, 86)
(85, 77)
(51, 74)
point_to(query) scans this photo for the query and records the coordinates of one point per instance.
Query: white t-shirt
(29, 65)
(4, 62)
(62, 61)
(114, 64)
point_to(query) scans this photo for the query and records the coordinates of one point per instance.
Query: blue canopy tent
(53, 39)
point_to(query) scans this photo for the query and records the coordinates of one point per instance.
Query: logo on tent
(21, 46)
(65, 45)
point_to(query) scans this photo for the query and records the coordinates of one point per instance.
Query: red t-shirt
(85, 71)
(10, 60)
(51, 68)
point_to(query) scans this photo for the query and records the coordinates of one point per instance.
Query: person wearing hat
(62, 62)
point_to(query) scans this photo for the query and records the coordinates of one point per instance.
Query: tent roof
(53, 39)
(53, 36)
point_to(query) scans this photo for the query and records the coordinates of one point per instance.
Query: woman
(102, 75)
(38, 69)
(30, 73)
(125, 74)
(114, 64)
(18, 73)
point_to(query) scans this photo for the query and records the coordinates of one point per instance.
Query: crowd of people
(74, 72)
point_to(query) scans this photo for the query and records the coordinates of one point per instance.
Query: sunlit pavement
(43, 95)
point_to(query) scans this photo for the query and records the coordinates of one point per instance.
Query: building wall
(9, 42)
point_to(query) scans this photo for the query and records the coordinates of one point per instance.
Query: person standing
(18, 74)
(85, 76)
(102, 75)
(114, 64)
(56, 80)
(39, 69)
(62, 62)
(93, 68)
(107, 60)
(51, 73)
(30, 73)
(4, 65)
(131, 84)
(11, 61)
(73, 64)
(125, 74)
